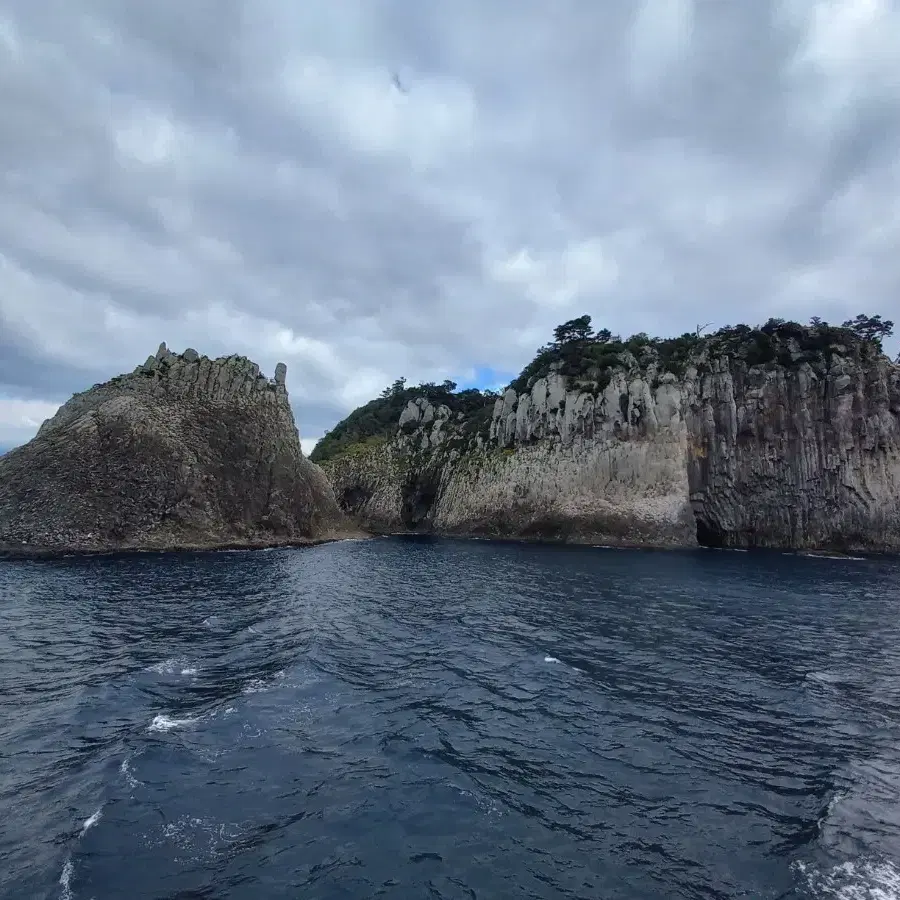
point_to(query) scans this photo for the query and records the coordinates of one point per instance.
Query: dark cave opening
(353, 499)
(419, 498)
(708, 535)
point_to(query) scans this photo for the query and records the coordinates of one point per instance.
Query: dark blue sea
(418, 718)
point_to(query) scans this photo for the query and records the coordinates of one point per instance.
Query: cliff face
(785, 457)
(184, 451)
(795, 453)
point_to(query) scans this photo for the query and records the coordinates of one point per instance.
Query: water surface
(448, 719)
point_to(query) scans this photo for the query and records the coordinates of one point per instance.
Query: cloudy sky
(372, 188)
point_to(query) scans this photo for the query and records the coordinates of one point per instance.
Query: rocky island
(183, 452)
(782, 436)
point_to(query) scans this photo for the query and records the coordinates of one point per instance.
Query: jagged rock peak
(181, 376)
(183, 451)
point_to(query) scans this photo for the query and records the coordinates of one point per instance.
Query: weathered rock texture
(792, 454)
(792, 457)
(184, 451)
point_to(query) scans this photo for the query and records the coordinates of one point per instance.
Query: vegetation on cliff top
(583, 354)
(579, 352)
(379, 417)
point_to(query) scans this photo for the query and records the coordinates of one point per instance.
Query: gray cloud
(247, 177)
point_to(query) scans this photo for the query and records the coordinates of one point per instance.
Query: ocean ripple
(411, 717)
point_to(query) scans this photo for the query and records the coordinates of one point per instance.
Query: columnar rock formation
(184, 451)
(799, 451)
(794, 457)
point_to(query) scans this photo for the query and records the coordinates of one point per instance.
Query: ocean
(423, 717)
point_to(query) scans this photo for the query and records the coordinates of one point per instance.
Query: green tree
(574, 330)
(870, 328)
(397, 388)
(772, 325)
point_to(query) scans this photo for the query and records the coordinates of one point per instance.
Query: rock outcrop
(185, 451)
(794, 457)
(801, 451)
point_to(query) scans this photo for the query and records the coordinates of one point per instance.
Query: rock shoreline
(607, 542)
(9, 551)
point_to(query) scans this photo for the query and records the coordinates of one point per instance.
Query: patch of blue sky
(486, 378)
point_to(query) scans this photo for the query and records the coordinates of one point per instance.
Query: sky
(370, 189)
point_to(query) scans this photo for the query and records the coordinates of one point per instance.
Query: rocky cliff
(185, 451)
(782, 438)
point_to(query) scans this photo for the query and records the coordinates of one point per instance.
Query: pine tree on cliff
(870, 328)
(574, 330)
